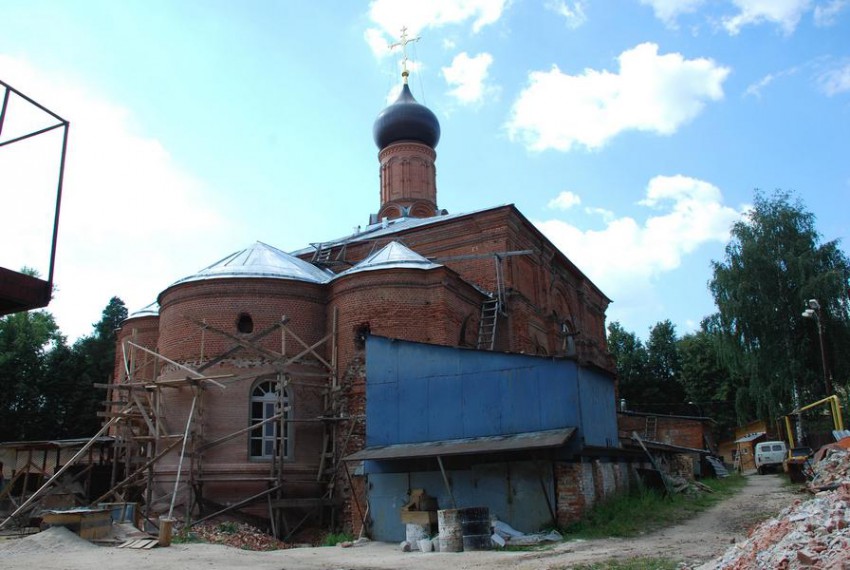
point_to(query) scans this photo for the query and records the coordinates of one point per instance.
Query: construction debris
(238, 535)
(831, 471)
(809, 534)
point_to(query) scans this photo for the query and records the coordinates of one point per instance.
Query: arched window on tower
(267, 441)
(244, 323)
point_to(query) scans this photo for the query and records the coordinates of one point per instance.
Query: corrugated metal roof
(467, 446)
(750, 437)
(260, 261)
(394, 255)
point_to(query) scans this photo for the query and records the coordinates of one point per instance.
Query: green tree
(47, 390)
(25, 340)
(774, 262)
(75, 370)
(664, 363)
(631, 358)
(708, 384)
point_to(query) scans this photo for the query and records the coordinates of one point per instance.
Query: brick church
(250, 387)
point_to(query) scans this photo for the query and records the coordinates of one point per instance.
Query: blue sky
(632, 133)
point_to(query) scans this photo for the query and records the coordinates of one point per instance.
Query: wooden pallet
(146, 543)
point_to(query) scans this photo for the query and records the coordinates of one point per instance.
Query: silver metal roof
(151, 310)
(394, 255)
(390, 227)
(260, 261)
(750, 437)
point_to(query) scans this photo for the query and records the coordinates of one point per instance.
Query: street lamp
(813, 312)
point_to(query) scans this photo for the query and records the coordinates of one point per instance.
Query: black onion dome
(406, 120)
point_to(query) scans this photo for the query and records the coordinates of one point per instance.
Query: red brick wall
(580, 485)
(143, 331)
(421, 306)
(408, 178)
(544, 288)
(683, 432)
(219, 302)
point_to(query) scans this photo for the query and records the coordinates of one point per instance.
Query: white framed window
(267, 441)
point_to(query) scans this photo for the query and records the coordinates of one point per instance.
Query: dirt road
(696, 541)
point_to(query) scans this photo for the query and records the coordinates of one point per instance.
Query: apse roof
(260, 261)
(394, 255)
(151, 310)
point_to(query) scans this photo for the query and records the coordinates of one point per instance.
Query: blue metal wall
(512, 491)
(419, 392)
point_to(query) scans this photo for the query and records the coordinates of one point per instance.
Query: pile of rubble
(238, 535)
(809, 534)
(831, 470)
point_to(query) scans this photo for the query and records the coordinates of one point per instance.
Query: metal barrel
(476, 528)
(450, 530)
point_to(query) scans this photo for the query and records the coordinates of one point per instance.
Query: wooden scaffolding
(135, 416)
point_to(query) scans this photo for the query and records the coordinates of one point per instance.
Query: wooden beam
(177, 364)
(62, 470)
(237, 433)
(240, 341)
(236, 348)
(137, 472)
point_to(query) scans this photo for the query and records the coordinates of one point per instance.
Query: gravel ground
(696, 541)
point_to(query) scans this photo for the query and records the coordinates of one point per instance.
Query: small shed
(745, 450)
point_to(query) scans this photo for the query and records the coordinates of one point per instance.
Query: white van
(770, 455)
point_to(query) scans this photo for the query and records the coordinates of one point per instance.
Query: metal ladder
(490, 311)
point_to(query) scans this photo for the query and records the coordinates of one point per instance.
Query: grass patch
(334, 538)
(631, 564)
(228, 527)
(185, 536)
(647, 509)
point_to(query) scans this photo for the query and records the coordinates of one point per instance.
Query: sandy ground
(694, 542)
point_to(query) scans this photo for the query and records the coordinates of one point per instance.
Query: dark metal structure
(19, 291)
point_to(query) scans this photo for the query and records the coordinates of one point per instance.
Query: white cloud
(377, 42)
(391, 15)
(755, 89)
(826, 14)
(574, 14)
(626, 257)
(652, 93)
(564, 201)
(669, 10)
(129, 212)
(835, 80)
(468, 77)
(606, 215)
(785, 13)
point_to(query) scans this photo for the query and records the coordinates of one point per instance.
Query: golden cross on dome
(403, 43)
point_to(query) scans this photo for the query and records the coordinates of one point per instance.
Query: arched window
(244, 323)
(266, 441)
